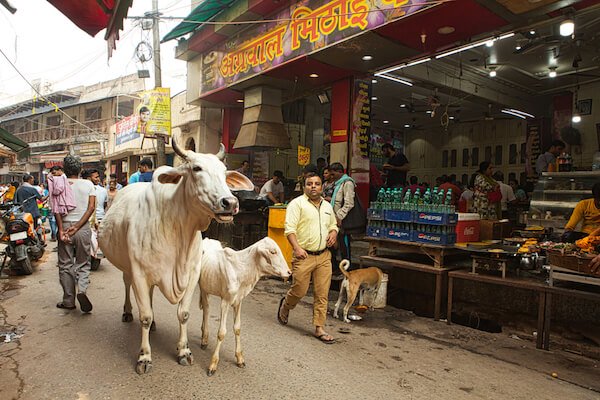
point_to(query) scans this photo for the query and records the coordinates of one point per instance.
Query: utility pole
(161, 158)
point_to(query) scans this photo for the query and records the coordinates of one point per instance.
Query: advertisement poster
(533, 149)
(154, 113)
(303, 155)
(361, 124)
(307, 27)
(127, 129)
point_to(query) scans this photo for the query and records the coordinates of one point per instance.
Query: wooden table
(545, 294)
(435, 252)
(439, 272)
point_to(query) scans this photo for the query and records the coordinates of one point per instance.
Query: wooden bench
(436, 253)
(440, 274)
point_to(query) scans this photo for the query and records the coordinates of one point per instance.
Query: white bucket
(381, 299)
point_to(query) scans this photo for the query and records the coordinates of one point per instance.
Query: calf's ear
(238, 181)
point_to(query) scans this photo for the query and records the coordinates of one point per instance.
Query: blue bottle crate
(434, 238)
(375, 214)
(398, 216)
(431, 218)
(373, 231)
(399, 234)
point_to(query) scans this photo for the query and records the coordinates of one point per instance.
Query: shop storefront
(450, 85)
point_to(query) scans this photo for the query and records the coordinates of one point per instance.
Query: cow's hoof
(203, 346)
(143, 367)
(153, 326)
(127, 317)
(211, 372)
(241, 365)
(185, 360)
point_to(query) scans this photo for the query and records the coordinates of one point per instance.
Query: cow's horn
(221, 153)
(178, 150)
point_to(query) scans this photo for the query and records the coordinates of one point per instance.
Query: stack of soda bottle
(401, 199)
(407, 209)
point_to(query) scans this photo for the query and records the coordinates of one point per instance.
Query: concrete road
(391, 354)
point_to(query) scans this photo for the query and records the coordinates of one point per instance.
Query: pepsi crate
(431, 218)
(399, 234)
(433, 238)
(375, 214)
(376, 231)
(398, 216)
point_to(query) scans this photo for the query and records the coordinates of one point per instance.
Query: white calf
(232, 275)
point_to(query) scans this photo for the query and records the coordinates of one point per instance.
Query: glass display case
(556, 194)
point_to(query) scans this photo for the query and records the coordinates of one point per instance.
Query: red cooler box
(467, 227)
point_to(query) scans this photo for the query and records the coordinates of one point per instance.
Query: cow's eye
(197, 169)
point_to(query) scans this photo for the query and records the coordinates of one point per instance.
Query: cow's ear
(168, 175)
(238, 181)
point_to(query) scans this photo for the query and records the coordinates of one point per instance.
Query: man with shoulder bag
(346, 206)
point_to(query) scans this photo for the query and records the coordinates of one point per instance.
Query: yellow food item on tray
(534, 228)
(588, 244)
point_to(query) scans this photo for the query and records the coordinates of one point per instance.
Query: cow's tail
(344, 264)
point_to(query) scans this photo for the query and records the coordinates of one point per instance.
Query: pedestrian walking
(75, 238)
(310, 227)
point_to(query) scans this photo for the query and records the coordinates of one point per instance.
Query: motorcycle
(24, 242)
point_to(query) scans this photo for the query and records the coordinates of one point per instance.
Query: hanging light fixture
(552, 73)
(567, 27)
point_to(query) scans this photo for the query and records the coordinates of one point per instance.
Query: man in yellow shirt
(310, 227)
(588, 213)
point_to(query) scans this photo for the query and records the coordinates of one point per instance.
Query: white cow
(231, 275)
(152, 233)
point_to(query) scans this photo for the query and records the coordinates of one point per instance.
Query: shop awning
(92, 16)
(204, 12)
(14, 143)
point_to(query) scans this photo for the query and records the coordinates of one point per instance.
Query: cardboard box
(490, 229)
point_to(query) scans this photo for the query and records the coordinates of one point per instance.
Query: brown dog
(355, 281)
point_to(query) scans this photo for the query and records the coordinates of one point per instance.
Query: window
(512, 154)
(445, 159)
(94, 113)
(488, 153)
(36, 125)
(475, 157)
(512, 176)
(498, 156)
(465, 159)
(523, 152)
(10, 128)
(125, 108)
(453, 158)
(53, 121)
(464, 179)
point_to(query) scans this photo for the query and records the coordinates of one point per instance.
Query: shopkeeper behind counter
(588, 213)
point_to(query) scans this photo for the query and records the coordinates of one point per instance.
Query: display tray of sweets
(577, 262)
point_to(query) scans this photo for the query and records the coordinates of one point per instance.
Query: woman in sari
(487, 195)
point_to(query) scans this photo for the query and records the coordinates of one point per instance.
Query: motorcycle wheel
(25, 266)
(94, 264)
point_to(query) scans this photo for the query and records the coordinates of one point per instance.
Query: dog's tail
(344, 267)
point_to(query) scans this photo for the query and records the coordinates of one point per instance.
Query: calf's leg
(204, 306)
(237, 329)
(221, 335)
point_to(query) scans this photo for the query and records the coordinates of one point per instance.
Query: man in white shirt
(508, 194)
(75, 237)
(272, 190)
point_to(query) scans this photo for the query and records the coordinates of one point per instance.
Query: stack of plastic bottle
(427, 217)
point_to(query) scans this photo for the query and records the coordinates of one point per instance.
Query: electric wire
(308, 18)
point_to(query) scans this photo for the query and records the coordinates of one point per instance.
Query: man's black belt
(316, 253)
